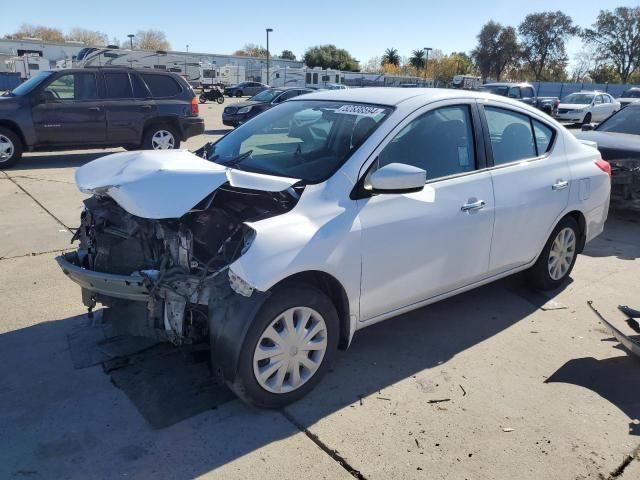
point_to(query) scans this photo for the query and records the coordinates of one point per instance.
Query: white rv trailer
(466, 82)
(28, 65)
(211, 74)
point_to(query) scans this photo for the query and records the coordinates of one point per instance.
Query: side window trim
(487, 137)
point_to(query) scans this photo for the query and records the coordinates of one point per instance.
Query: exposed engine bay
(177, 266)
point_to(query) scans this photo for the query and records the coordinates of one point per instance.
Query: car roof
(392, 96)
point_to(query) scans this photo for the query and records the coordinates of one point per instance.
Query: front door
(69, 111)
(531, 184)
(419, 245)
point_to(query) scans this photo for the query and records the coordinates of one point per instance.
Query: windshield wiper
(234, 161)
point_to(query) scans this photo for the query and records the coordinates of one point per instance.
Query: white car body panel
(165, 184)
(393, 252)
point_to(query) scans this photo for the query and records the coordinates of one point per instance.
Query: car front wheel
(10, 148)
(288, 348)
(553, 267)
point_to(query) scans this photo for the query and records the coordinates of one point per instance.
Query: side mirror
(589, 126)
(397, 178)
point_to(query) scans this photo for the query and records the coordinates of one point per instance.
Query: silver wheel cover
(163, 140)
(563, 250)
(7, 149)
(290, 350)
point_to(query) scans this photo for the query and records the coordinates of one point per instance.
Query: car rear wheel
(553, 267)
(10, 148)
(161, 137)
(238, 93)
(587, 119)
(288, 348)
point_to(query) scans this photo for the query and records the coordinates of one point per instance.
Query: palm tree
(417, 59)
(391, 57)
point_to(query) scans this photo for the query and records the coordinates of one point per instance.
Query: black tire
(132, 147)
(202, 99)
(13, 144)
(245, 384)
(539, 275)
(238, 93)
(150, 132)
(587, 119)
(220, 99)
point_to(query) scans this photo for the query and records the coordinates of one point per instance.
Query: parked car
(586, 107)
(618, 139)
(245, 88)
(97, 108)
(238, 113)
(336, 86)
(326, 214)
(523, 92)
(629, 96)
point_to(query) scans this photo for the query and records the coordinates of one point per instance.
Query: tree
(604, 73)
(150, 40)
(373, 65)
(328, 56)
(543, 37)
(287, 55)
(583, 63)
(464, 63)
(252, 50)
(497, 50)
(391, 57)
(616, 35)
(47, 34)
(87, 37)
(417, 59)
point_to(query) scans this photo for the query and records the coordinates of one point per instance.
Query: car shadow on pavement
(615, 379)
(68, 422)
(620, 237)
(37, 161)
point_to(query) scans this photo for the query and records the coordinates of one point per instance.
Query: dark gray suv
(97, 108)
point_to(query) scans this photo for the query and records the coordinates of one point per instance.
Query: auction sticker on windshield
(362, 110)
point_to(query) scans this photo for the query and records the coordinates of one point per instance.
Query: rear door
(70, 111)
(128, 105)
(530, 177)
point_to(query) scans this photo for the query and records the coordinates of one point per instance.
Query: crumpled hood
(165, 184)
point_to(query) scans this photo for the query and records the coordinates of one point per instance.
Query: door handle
(146, 107)
(560, 185)
(473, 206)
(94, 109)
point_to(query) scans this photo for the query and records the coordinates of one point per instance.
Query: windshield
(30, 84)
(626, 120)
(495, 89)
(266, 95)
(578, 99)
(302, 139)
(630, 94)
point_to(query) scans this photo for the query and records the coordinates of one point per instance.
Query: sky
(364, 27)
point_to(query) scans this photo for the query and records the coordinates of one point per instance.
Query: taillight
(194, 107)
(604, 166)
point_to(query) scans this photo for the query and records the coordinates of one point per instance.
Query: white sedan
(329, 213)
(587, 107)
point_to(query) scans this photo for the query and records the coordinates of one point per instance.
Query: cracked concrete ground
(484, 385)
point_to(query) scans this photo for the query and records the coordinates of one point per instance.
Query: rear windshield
(495, 89)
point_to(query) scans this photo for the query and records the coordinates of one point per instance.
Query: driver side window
(440, 141)
(73, 86)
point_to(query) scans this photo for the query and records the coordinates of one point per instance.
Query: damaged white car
(329, 213)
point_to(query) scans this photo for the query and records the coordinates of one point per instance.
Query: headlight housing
(246, 109)
(239, 285)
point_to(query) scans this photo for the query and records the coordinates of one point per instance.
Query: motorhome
(466, 82)
(28, 65)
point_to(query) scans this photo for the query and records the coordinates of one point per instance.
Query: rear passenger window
(139, 90)
(440, 142)
(118, 85)
(512, 136)
(162, 85)
(544, 136)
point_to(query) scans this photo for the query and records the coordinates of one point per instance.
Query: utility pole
(268, 31)
(426, 64)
